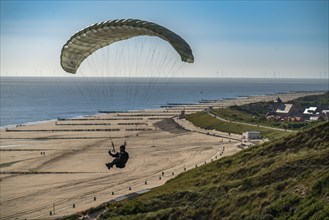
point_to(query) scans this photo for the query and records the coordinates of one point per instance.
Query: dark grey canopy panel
(85, 42)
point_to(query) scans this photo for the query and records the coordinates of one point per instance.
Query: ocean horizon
(35, 99)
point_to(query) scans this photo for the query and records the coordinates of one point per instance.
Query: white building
(285, 109)
(314, 118)
(310, 111)
(251, 135)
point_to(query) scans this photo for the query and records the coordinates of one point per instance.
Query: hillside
(314, 100)
(285, 179)
(255, 113)
(204, 120)
(259, 109)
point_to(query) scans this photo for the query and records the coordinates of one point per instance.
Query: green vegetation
(235, 114)
(203, 120)
(284, 179)
(255, 113)
(257, 110)
(314, 100)
(240, 114)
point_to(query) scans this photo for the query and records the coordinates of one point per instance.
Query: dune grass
(314, 100)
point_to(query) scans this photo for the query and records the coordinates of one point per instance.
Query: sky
(266, 39)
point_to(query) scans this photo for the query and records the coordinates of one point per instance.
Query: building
(282, 109)
(325, 114)
(251, 135)
(277, 103)
(310, 111)
(316, 118)
(285, 109)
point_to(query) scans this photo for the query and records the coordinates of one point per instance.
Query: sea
(27, 100)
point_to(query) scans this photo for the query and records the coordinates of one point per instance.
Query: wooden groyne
(139, 129)
(25, 149)
(64, 130)
(56, 138)
(44, 172)
(97, 119)
(88, 124)
(137, 123)
(145, 115)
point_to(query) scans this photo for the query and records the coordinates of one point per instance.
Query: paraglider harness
(121, 157)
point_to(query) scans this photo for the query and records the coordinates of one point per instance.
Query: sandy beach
(58, 167)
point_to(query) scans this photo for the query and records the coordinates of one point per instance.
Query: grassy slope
(285, 179)
(314, 100)
(203, 120)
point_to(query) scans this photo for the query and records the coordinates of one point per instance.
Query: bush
(321, 186)
(310, 211)
(267, 217)
(284, 206)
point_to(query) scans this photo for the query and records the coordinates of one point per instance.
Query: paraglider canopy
(124, 64)
(88, 40)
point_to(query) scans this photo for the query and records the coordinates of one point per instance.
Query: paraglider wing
(85, 42)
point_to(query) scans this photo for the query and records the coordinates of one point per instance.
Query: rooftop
(284, 108)
(310, 110)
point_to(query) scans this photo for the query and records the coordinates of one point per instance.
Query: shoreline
(202, 101)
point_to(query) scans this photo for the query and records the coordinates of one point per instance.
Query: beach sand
(58, 167)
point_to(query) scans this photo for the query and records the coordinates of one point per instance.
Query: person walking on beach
(120, 159)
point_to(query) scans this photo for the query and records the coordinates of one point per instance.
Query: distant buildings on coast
(292, 112)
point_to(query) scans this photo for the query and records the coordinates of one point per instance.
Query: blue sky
(228, 38)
